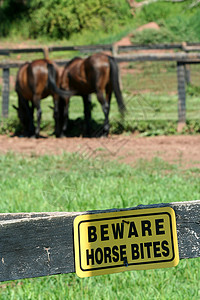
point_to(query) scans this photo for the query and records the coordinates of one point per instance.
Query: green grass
(177, 283)
(72, 183)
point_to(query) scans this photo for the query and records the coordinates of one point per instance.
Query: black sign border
(130, 264)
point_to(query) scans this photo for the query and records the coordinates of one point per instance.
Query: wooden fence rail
(41, 244)
(187, 47)
(183, 59)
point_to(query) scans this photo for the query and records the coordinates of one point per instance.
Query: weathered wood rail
(183, 59)
(41, 244)
(187, 47)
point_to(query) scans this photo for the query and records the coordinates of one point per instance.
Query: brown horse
(35, 81)
(98, 74)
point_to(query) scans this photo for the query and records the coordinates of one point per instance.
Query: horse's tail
(114, 76)
(52, 82)
(19, 75)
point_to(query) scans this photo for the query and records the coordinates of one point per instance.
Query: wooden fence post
(114, 49)
(187, 73)
(46, 52)
(181, 96)
(186, 66)
(5, 92)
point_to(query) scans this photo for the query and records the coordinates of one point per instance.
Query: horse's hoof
(105, 134)
(32, 136)
(61, 135)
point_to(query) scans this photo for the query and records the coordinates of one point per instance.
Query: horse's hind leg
(106, 108)
(65, 116)
(36, 102)
(87, 113)
(31, 120)
(25, 115)
(57, 114)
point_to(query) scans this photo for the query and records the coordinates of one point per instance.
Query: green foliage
(97, 21)
(177, 23)
(183, 28)
(193, 90)
(10, 126)
(12, 13)
(195, 23)
(192, 127)
(60, 19)
(145, 128)
(158, 11)
(153, 36)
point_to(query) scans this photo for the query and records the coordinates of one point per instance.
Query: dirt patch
(181, 150)
(151, 25)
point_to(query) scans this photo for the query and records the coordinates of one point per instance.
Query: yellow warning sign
(126, 240)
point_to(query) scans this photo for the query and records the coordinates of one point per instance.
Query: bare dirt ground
(182, 150)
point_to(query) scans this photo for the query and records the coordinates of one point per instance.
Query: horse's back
(97, 60)
(87, 75)
(97, 68)
(38, 77)
(73, 76)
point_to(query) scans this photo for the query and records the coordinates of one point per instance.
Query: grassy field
(71, 183)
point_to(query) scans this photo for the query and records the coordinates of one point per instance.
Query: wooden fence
(183, 59)
(41, 244)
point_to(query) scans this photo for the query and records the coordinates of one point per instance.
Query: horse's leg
(65, 116)
(108, 94)
(87, 113)
(25, 115)
(56, 115)
(36, 102)
(31, 120)
(106, 108)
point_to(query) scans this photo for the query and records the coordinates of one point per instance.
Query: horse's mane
(72, 60)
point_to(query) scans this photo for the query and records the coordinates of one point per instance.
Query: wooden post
(181, 96)
(186, 66)
(114, 50)
(5, 92)
(187, 74)
(46, 52)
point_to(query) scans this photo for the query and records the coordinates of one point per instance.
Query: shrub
(60, 19)
(153, 36)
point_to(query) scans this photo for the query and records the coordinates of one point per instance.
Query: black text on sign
(126, 240)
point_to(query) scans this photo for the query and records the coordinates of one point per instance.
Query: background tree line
(61, 18)
(179, 20)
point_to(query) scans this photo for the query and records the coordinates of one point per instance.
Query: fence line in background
(187, 47)
(183, 59)
(41, 244)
